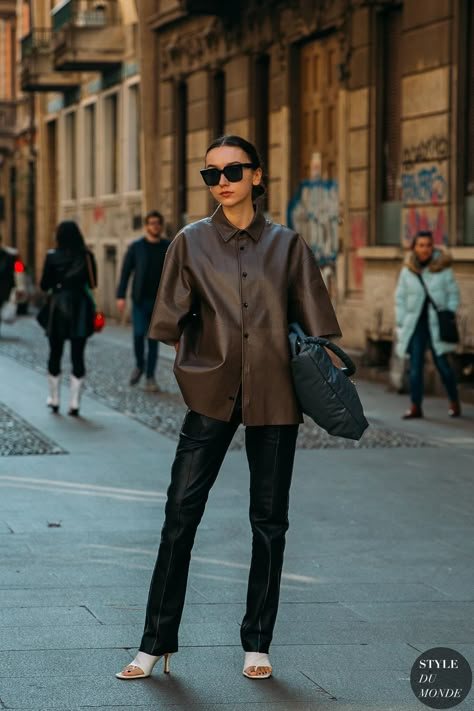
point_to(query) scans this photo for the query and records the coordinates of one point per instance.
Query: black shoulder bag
(448, 330)
(325, 393)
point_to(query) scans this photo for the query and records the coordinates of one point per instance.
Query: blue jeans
(419, 342)
(141, 316)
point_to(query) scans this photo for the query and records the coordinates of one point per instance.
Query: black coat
(7, 278)
(136, 261)
(71, 308)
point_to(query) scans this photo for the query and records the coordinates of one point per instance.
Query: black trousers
(202, 445)
(56, 346)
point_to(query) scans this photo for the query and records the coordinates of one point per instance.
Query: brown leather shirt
(227, 295)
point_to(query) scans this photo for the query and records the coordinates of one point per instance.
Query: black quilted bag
(325, 393)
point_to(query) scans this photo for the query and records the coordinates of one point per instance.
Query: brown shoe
(454, 409)
(135, 376)
(415, 412)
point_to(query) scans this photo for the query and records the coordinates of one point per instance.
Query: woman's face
(423, 248)
(227, 193)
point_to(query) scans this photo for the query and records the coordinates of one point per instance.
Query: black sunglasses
(233, 173)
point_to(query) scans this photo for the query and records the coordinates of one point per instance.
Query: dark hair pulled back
(427, 234)
(250, 150)
(69, 237)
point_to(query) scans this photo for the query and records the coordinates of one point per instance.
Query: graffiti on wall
(424, 185)
(430, 218)
(435, 148)
(314, 213)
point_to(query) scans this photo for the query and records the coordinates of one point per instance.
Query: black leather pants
(202, 446)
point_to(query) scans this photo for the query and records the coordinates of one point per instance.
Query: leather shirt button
(246, 335)
(231, 397)
(242, 249)
(246, 305)
(244, 274)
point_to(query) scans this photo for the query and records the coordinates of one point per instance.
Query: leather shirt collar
(227, 230)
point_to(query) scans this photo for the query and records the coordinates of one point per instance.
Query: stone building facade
(76, 146)
(363, 112)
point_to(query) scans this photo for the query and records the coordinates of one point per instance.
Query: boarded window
(470, 108)
(111, 144)
(89, 151)
(262, 112)
(181, 116)
(391, 103)
(469, 153)
(133, 169)
(70, 155)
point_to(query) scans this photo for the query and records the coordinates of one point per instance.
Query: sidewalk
(378, 565)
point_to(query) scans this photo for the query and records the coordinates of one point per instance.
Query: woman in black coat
(68, 274)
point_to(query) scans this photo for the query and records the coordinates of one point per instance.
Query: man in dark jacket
(7, 275)
(145, 258)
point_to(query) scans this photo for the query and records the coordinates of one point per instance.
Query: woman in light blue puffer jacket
(417, 321)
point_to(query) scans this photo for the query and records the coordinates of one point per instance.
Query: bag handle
(298, 336)
(427, 292)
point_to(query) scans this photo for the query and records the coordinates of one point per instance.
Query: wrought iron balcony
(37, 68)
(7, 125)
(87, 35)
(169, 11)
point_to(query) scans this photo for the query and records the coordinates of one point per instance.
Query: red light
(19, 267)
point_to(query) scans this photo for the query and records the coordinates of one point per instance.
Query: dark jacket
(71, 309)
(136, 261)
(7, 276)
(227, 296)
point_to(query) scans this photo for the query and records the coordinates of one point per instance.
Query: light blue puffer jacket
(410, 296)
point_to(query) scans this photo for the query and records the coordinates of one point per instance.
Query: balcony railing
(37, 68)
(86, 13)
(7, 126)
(37, 41)
(170, 11)
(7, 117)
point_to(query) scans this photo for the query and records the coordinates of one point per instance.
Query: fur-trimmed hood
(440, 260)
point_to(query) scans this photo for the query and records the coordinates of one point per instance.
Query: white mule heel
(255, 661)
(142, 666)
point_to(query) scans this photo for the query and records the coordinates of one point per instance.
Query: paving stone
(18, 437)
(195, 679)
(107, 381)
(15, 617)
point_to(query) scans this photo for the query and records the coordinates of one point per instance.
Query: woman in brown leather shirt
(231, 284)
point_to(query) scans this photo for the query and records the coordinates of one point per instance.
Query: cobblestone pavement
(18, 437)
(109, 364)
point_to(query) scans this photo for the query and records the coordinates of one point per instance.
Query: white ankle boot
(54, 382)
(76, 387)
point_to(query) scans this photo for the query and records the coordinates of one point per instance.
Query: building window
(111, 144)
(262, 112)
(218, 104)
(89, 151)
(70, 155)
(181, 114)
(133, 167)
(469, 132)
(389, 126)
